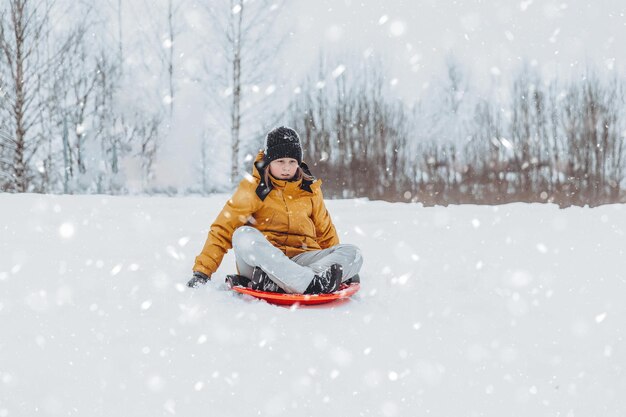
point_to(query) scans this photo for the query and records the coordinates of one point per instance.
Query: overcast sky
(490, 36)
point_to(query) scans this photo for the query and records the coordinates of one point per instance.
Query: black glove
(197, 279)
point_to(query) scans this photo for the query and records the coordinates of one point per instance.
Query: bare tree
(110, 130)
(6, 138)
(353, 134)
(160, 39)
(114, 122)
(22, 28)
(244, 31)
(18, 40)
(593, 124)
(170, 56)
(77, 91)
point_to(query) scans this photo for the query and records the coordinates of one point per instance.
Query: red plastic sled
(344, 291)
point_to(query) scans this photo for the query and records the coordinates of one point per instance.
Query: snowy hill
(515, 310)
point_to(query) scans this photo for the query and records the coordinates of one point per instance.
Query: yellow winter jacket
(291, 215)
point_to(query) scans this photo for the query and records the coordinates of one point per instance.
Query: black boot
(262, 282)
(352, 280)
(237, 281)
(326, 282)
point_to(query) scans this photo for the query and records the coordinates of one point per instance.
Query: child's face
(283, 168)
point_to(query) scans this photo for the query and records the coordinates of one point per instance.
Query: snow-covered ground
(516, 310)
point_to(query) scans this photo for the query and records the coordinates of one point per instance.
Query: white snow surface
(514, 310)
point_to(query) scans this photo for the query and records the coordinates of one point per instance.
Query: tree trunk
(19, 163)
(236, 105)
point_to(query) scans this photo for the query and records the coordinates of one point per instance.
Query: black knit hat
(282, 142)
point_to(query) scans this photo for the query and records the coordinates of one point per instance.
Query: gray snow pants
(291, 274)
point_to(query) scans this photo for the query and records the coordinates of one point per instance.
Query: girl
(277, 223)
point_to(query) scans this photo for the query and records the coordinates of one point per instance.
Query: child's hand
(197, 279)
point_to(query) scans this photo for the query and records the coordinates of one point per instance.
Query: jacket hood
(258, 172)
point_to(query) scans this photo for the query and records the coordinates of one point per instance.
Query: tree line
(86, 105)
(545, 141)
(65, 120)
(82, 106)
